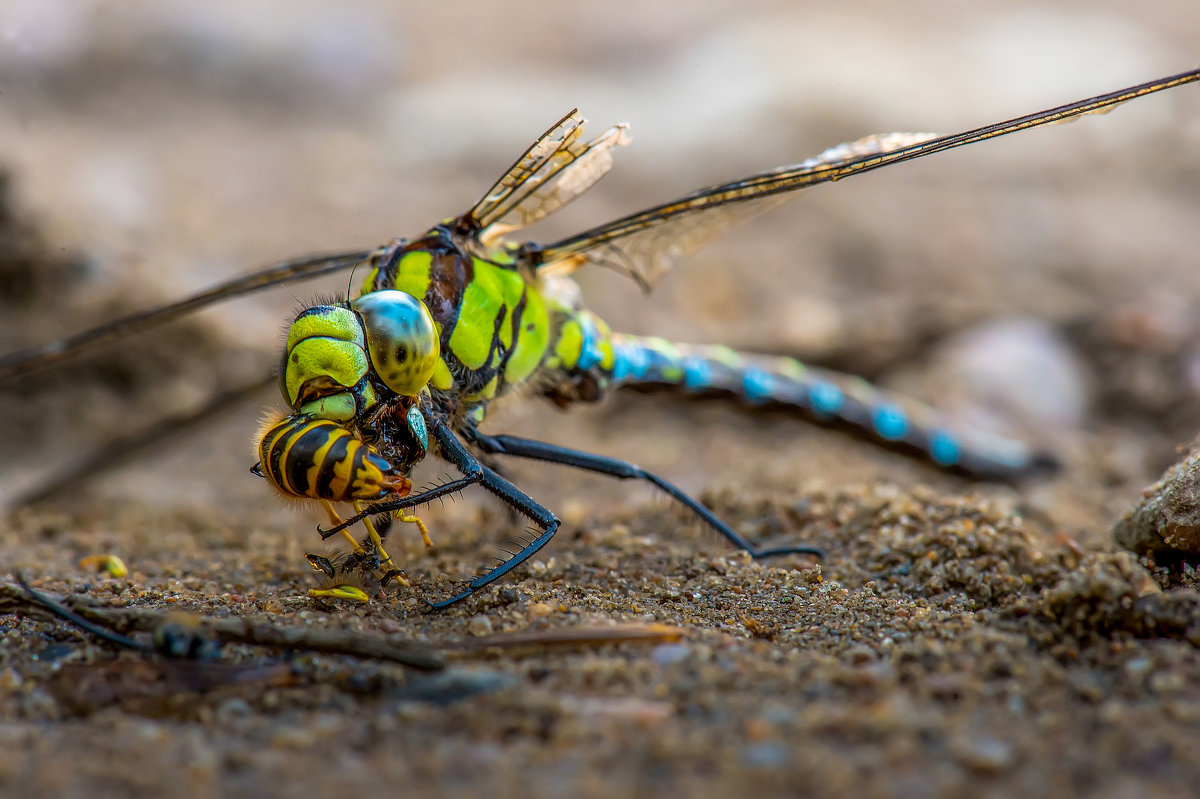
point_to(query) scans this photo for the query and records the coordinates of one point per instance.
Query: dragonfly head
(336, 353)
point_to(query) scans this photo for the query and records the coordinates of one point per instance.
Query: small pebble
(479, 626)
(982, 754)
(666, 654)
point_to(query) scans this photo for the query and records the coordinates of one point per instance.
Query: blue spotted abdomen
(820, 395)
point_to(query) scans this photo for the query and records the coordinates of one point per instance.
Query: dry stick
(357, 644)
(593, 635)
(244, 631)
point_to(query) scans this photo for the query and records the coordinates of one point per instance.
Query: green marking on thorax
(532, 339)
(570, 344)
(413, 273)
(492, 290)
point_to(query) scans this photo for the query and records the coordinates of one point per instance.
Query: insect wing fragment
(645, 245)
(553, 172)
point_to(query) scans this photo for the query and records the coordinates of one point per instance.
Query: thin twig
(237, 630)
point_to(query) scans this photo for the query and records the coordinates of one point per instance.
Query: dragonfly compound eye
(401, 339)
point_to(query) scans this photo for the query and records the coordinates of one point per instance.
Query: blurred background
(1043, 285)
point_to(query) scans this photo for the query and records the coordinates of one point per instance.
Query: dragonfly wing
(556, 169)
(645, 244)
(303, 268)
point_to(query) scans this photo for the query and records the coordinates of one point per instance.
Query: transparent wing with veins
(644, 245)
(555, 170)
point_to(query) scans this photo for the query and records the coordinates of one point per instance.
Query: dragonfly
(464, 314)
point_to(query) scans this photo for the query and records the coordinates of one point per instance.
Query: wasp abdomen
(320, 459)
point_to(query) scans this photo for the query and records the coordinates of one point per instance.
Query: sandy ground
(958, 638)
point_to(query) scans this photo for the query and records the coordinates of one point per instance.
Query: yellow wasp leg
(376, 539)
(351, 592)
(377, 542)
(420, 526)
(333, 517)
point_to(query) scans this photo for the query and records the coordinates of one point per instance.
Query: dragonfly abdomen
(651, 364)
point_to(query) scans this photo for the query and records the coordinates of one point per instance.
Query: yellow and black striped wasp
(461, 315)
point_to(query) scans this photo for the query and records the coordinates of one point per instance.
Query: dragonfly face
(349, 370)
(336, 355)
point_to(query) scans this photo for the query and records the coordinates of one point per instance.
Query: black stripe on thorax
(387, 260)
(450, 272)
(514, 319)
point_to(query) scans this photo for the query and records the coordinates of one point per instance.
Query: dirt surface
(957, 639)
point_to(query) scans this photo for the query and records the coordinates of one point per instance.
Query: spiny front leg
(473, 472)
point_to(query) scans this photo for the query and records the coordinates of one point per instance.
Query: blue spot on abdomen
(757, 384)
(697, 374)
(825, 398)
(944, 448)
(630, 362)
(890, 422)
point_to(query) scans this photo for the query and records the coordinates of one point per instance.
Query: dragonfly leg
(512, 496)
(473, 472)
(623, 470)
(523, 504)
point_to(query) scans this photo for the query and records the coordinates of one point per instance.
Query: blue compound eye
(401, 339)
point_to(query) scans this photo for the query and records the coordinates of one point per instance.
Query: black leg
(454, 451)
(524, 504)
(539, 450)
(473, 472)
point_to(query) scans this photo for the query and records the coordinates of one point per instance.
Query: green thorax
(495, 326)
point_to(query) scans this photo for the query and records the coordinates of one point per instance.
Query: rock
(1019, 370)
(1167, 519)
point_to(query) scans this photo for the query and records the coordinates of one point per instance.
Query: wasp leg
(387, 566)
(377, 555)
(473, 472)
(373, 534)
(622, 470)
(333, 517)
(409, 518)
